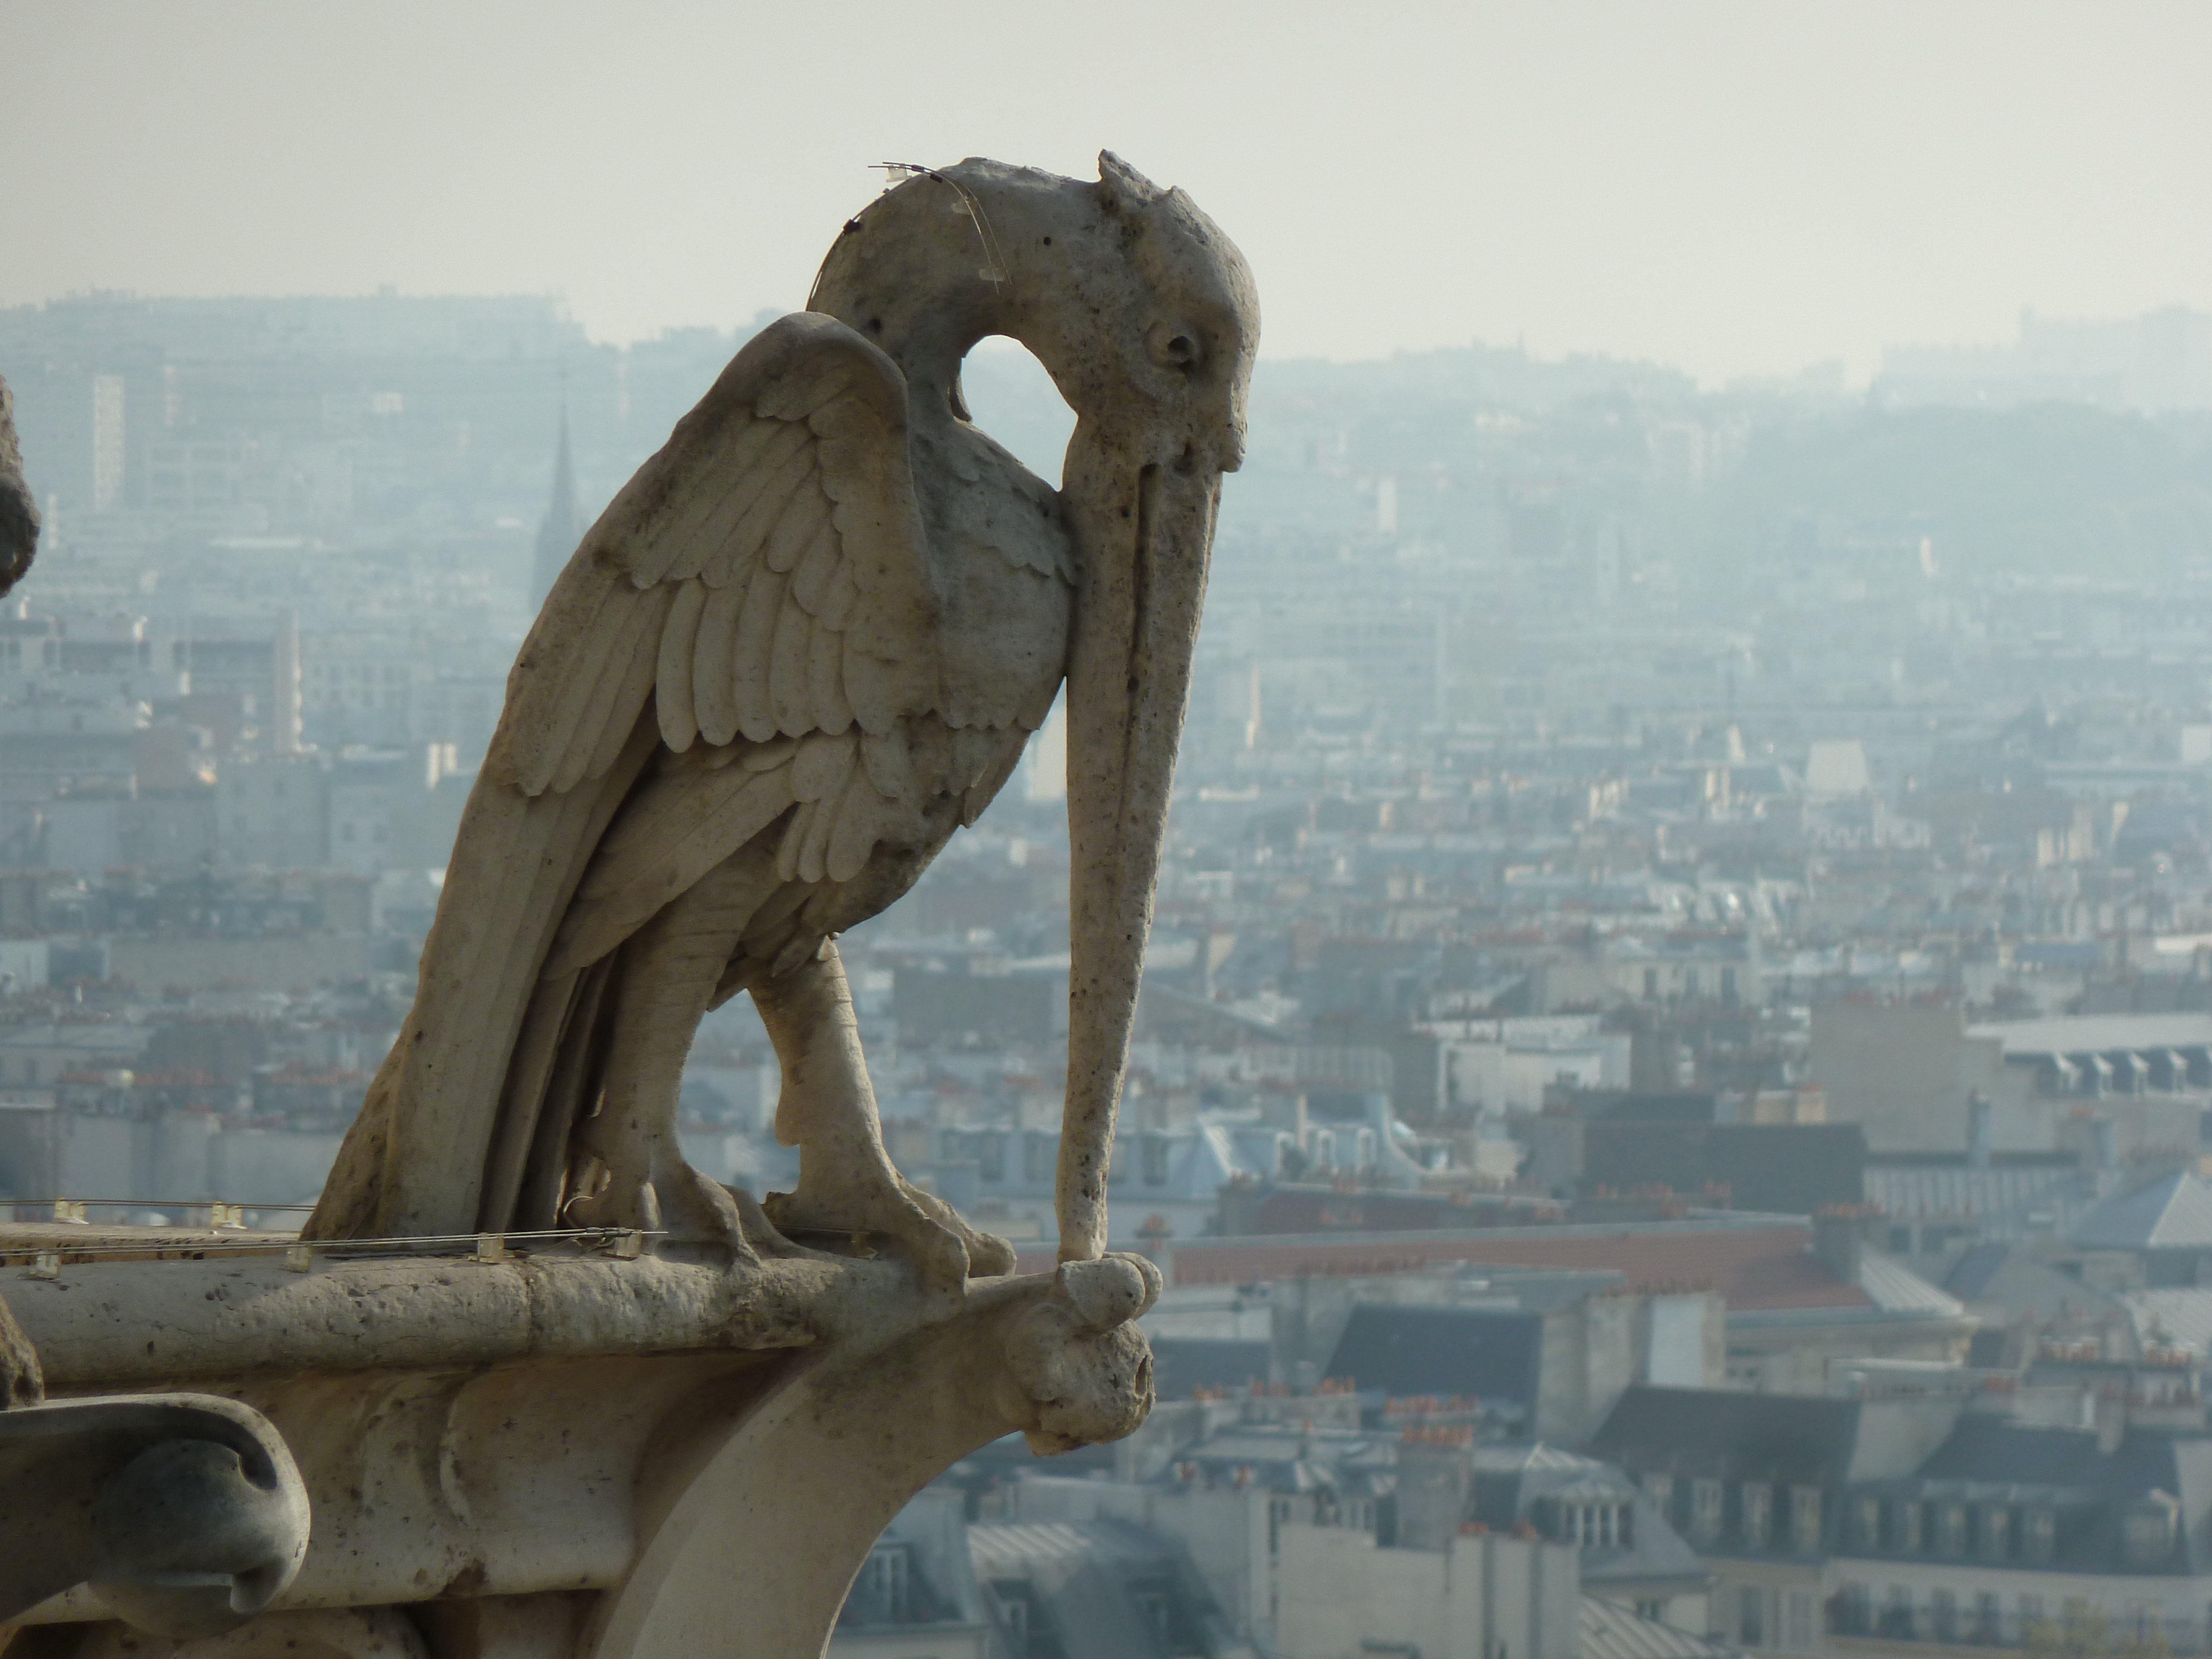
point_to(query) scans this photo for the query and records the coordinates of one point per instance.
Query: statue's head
(19, 509)
(1145, 315)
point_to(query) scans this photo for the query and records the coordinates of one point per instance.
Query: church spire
(562, 527)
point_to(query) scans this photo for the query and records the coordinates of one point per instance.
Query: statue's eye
(1175, 347)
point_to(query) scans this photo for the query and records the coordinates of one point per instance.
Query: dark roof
(1755, 1266)
(1803, 1440)
(2172, 1213)
(1785, 1169)
(2090, 1488)
(1511, 1481)
(1974, 1270)
(1490, 1353)
(1084, 1576)
(1183, 1364)
(1611, 1631)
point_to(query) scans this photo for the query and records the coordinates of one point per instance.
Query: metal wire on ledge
(223, 1237)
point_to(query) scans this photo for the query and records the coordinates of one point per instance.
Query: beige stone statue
(528, 1387)
(804, 644)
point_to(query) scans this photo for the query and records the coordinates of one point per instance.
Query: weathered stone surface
(183, 1514)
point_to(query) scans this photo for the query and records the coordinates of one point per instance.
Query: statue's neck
(926, 305)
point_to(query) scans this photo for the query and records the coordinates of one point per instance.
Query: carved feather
(791, 690)
(890, 761)
(749, 654)
(682, 534)
(618, 692)
(813, 852)
(679, 641)
(854, 834)
(822, 767)
(804, 515)
(713, 694)
(812, 571)
(645, 863)
(825, 680)
(746, 537)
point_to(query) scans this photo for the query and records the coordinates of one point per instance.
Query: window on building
(1020, 1615)
(1988, 1620)
(1040, 1154)
(1943, 1615)
(991, 1157)
(882, 1586)
(1904, 1529)
(2038, 1534)
(1853, 1612)
(1951, 1529)
(1897, 1622)
(1660, 1490)
(1797, 1620)
(1996, 1532)
(2031, 1614)
(1152, 1608)
(1805, 1518)
(1866, 1523)
(2146, 1536)
(1705, 1509)
(1758, 1514)
(1751, 1615)
(1156, 1161)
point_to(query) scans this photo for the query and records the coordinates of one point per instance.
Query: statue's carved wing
(762, 582)
(758, 590)
(762, 577)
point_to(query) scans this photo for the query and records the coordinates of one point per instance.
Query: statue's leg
(664, 979)
(827, 1108)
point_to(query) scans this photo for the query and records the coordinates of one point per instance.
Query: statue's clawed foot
(665, 1196)
(879, 1204)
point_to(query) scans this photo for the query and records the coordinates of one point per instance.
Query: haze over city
(1730, 188)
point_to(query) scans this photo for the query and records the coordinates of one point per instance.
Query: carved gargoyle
(183, 1513)
(806, 642)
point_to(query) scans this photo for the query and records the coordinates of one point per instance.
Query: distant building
(2159, 363)
(1907, 1525)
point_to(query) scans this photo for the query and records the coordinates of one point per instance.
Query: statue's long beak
(1144, 533)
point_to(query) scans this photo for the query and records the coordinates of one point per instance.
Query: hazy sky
(1735, 188)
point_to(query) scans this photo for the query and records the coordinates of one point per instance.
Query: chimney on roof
(1435, 1479)
(1979, 1128)
(1838, 1237)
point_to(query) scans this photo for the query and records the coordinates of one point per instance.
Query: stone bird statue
(806, 642)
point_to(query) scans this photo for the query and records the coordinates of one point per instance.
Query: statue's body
(807, 643)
